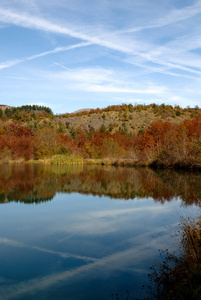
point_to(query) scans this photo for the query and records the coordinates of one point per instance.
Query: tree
(111, 148)
(46, 143)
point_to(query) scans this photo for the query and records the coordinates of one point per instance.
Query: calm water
(85, 232)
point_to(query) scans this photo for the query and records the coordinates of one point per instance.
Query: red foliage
(145, 141)
(19, 140)
(193, 127)
(67, 142)
(163, 140)
(20, 147)
(18, 130)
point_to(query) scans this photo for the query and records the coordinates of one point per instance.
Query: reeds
(62, 159)
(59, 159)
(179, 277)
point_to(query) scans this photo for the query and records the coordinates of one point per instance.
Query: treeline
(162, 144)
(177, 110)
(18, 112)
(10, 112)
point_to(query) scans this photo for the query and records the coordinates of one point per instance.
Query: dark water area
(87, 232)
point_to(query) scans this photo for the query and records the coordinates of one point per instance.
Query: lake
(87, 232)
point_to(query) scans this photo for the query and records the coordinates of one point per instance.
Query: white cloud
(27, 5)
(18, 78)
(162, 56)
(34, 22)
(175, 16)
(100, 80)
(115, 89)
(160, 50)
(9, 64)
(57, 50)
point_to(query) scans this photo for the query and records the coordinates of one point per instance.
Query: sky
(75, 54)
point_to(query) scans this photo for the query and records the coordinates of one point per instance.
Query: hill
(3, 106)
(125, 118)
(159, 135)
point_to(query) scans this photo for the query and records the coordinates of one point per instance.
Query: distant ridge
(3, 106)
(81, 110)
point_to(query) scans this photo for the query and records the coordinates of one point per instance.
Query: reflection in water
(79, 246)
(35, 183)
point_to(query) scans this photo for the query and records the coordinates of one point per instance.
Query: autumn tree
(111, 148)
(46, 143)
(17, 140)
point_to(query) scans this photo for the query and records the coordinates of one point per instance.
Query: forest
(152, 135)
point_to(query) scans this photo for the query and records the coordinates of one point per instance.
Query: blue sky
(73, 54)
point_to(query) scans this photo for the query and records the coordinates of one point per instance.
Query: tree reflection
(39, 183)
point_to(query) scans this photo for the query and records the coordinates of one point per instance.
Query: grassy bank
(61, 159)
(112, 162)
(54, 160)
(129, 162)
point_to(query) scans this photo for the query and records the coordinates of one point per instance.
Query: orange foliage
(66, 142)
(45, 142)
(164, 142)
(145, 141)
(173, 144)
(18, 130)
(19, 140)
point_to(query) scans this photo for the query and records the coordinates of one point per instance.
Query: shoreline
(123, 162)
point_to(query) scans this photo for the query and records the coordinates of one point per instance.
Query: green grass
(61, 159)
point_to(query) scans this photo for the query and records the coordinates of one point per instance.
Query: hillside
(122, 134)
(125, 118)
(3, 106)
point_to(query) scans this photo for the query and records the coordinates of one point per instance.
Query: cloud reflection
(116, 261)
(13, 243)
(105, 221)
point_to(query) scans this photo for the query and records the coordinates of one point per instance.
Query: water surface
(85, 232)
